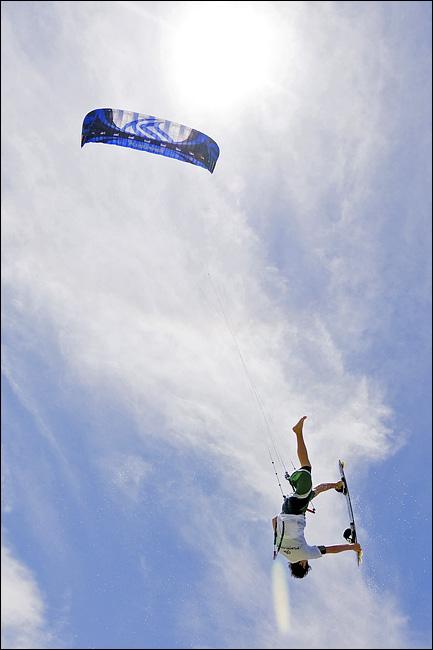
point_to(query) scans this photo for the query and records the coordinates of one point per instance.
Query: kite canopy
(152, 134)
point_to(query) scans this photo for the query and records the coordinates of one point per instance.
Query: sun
(222, 53)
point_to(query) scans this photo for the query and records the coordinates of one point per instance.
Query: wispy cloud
(127, 473)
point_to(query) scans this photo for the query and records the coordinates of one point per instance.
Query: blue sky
(137, 491)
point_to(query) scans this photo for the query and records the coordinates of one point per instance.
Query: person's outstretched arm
(339, 548)
(323, 487)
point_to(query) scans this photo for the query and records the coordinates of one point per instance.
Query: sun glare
(223, 52)
(280, 594)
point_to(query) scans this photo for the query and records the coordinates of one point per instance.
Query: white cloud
(23, 610)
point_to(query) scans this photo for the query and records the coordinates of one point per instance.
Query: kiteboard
(350, 533)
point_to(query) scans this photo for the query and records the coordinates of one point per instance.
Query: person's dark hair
(298, 570)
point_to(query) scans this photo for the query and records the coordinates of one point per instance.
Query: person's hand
(356, 547)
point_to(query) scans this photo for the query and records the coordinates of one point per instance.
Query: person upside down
(289, 525)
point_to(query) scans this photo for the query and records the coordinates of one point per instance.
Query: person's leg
(301, 448)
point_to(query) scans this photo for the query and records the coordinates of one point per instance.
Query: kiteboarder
(289, 525)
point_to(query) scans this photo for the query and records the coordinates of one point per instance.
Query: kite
(149, 133)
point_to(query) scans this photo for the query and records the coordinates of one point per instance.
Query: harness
(277, 550)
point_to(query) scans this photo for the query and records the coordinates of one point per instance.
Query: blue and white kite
(148, 133)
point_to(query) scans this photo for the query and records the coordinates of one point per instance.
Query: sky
(161, 325)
